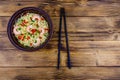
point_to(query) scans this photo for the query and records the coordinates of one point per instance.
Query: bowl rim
(20, 11)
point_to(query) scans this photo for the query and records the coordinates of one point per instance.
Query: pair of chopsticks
(62, 14)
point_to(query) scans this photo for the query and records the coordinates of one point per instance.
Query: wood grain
(102, 55)
(74, 45)
(108, 58)
(82, 37)
(44, 58)
(81, 24)
(17, 58)
(94, 37)
(41, 0)
(62, 1)
(79, 73)
(90, 8)
(96, 29)
(83, 58)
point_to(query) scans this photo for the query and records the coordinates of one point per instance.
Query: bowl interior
(17, 15)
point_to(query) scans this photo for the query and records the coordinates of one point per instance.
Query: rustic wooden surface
(94, 34)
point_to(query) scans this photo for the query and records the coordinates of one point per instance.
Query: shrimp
(15, 31)
(42, 31)
(28, 28)
(37, 43)
(36, 17)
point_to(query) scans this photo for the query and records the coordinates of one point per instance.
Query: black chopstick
(59, 39)
(62, 13)
(67, 43)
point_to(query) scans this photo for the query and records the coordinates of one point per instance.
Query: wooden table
(94, 34)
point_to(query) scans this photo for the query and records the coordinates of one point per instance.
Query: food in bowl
(30, 33)
(31, 29)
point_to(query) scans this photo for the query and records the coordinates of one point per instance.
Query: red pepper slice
(21, 37)
(31, 44)
(33, 31)
(28, 38)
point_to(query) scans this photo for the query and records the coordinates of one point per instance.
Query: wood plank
(76, 73)
(108, 58)
(89, 24)
(44, 57)
(64, 1)
(89, 36)
(99, 57)
(27, 59)
(80, 54)
(41, 0)
(94, 24)
(96, 29)
(79, 57)
(83, 58)
(74, 45)
(90, 8)
(95, 44)
(100, 73)
(82, 36)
